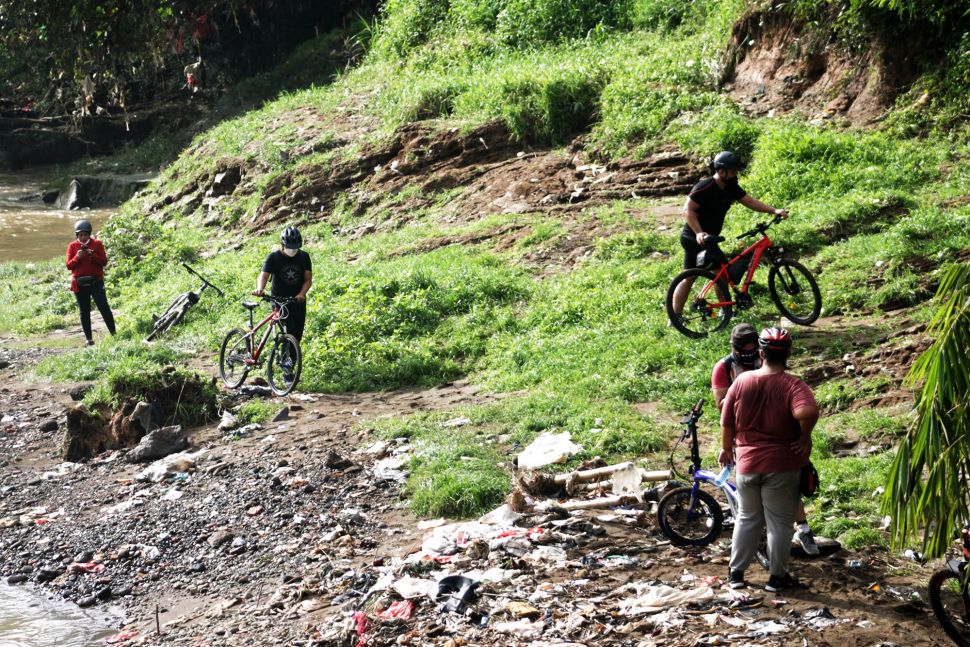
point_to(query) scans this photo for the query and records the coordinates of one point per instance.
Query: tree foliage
(66, 53)
(929, 483)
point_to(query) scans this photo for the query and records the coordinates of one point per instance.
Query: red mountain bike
(241, 350)
(706, 305)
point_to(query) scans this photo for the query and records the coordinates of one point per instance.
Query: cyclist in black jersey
(706, 206)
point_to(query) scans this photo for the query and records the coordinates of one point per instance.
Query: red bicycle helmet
(774, 339)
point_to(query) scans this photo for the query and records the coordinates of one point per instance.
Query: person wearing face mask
(745, 356)
(706, 207)
(292, 273)
(86, 259)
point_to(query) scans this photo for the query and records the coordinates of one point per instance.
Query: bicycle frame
(698, 474)
(756, 250)
(273, 319)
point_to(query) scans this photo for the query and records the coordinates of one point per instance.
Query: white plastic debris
(660, 597)
(501, 516)
(389, 469)
(457, 422)
(627, 480)
(413, 587)
(547, 449)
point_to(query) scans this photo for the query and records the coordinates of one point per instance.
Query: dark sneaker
(89, 342)
(806, 539)
(736, 579)
(781, 582)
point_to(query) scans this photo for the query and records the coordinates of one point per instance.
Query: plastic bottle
(723, 476)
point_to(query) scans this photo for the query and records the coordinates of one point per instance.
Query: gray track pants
(765, 499)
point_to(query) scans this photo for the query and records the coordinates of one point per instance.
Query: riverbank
(274, 535)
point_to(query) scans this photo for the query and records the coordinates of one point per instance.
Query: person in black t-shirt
(705, 208)
(292, 273)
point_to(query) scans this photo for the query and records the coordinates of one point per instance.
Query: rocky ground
(297, 533)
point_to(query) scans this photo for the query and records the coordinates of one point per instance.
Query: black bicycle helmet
(726, 160)
(742, 335)
(82, 225)
(775, 339)
(291, 238)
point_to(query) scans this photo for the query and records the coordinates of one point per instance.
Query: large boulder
(159, 444)
(100, 191)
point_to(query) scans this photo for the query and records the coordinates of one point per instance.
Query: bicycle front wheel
(795, 292)
(689, 521)
(232, 358)
(704, 309)
(951, 604)
(285, 364)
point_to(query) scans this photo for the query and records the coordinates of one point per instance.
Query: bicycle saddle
(249, 305)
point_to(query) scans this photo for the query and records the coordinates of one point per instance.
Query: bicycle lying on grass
(691, 516)
(950, 597)
(180, 306)
(241, 353)
(708, 306)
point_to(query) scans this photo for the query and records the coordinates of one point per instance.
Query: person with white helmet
(745, 356)
(86, 259)
(291, 269)
(767, 420)
(705, 209)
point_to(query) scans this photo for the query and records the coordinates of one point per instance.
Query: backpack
(808, 481)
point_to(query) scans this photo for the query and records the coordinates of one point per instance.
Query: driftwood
(540, 483)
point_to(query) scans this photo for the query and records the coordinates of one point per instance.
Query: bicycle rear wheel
(795, 292)
(285, 364)
(689, 521)
(232, 358)
(702, 314)
(951, 604)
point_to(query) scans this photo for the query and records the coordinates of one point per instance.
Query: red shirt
(92, 265)
(760, 407)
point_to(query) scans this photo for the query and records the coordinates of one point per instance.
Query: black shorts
(691, 250)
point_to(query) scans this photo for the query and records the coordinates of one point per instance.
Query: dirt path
(276, 536)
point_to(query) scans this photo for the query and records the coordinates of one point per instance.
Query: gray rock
(219, 537)
(20, 578)
(78, 391)
(48, 426)
(86, 601)
(159, 444)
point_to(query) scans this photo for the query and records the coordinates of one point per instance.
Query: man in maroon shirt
(745, 357)
(766, 432)
(86, 259)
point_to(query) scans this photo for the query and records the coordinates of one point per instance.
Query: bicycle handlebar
(760, 228)
(203, 279)
(282, 301)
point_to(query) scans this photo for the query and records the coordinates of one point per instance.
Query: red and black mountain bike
(703, 294)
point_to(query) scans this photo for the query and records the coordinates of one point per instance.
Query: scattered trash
(547, 449)
(461, 590)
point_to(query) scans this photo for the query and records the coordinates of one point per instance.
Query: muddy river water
(29, 619)
(31, 230)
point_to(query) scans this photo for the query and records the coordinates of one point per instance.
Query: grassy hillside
(579, 344)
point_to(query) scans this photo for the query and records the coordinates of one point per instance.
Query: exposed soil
(778, 65)
(274, 536)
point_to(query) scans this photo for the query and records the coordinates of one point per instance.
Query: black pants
(84, 295)
(295, 320)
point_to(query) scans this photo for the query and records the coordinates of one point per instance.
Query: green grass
(575, 349)
(257, 412)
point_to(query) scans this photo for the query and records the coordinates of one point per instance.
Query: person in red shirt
(766, 432)
(86, 259)
(745, 357)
